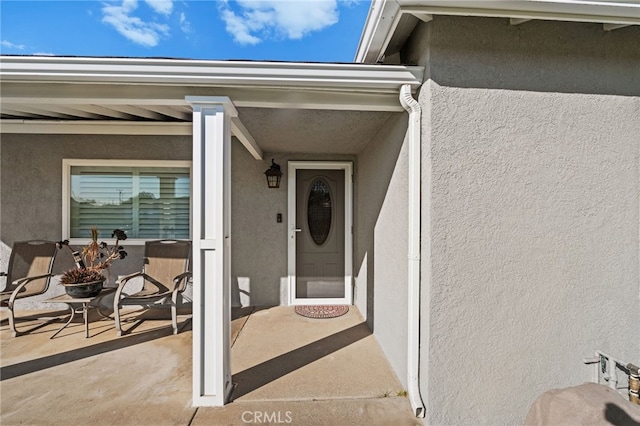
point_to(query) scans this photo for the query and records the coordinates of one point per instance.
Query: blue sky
(281, 30)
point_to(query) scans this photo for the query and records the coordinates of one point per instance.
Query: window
(146, 199)
(319, 211)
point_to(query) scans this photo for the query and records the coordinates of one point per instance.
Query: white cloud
(147, 34)
(164, 7)
(259, 19)
(185, 25)
(10, 45)
(239, 28)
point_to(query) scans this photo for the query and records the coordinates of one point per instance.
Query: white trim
(67, 163)
(347, 166)
(211, 221)
(190, 73)
(245, 138)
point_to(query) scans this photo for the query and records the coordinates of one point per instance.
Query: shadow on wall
(376, 165)
(241, 292)
(64, 261)
(536, 56)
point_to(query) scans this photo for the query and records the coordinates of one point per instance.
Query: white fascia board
(377, 27)
(380, 24)
(208, 73)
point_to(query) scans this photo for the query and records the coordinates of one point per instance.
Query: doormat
(321, 311)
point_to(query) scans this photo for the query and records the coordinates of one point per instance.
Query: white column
(211, 229)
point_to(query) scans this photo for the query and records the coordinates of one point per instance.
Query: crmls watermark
(272, 417)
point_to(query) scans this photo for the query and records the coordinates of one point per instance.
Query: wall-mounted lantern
(273, 174)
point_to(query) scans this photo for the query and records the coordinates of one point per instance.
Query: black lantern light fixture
(273, 174)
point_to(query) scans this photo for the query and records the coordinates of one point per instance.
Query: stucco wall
(381, 243)
(533, 210)
(259, 243)
(31, 174)
(547, 56)
(31, 190)
(31, 207)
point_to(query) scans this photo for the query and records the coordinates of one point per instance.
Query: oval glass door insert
(319, 211)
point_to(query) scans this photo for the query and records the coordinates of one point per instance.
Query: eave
(73, 95)
(387, 23)
(173, 72)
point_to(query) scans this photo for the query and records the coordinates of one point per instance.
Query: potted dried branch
(87, 278)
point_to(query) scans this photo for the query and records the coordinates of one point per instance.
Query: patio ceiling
(283, 107)
(273, 129)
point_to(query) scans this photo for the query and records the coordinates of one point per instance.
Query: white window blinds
(145, 202)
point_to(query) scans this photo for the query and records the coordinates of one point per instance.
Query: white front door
(320, 200)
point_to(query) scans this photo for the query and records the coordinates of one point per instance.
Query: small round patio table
(79, 304)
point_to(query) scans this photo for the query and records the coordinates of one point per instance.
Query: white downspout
(413, 330)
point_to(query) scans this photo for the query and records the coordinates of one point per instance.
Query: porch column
(211, 229)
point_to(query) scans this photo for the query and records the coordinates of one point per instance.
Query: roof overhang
(390, 22)
(251, 77)
(79, 95)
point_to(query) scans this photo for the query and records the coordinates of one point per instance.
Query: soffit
(313, 131)
(284, 107)
(387, 26)
(155, 89)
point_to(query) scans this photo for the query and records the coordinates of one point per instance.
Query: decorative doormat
(321, 311)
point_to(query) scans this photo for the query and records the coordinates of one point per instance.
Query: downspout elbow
(408, 103)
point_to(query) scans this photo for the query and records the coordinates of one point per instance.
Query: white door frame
(347, 166)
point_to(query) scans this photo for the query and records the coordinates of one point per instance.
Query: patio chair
(165, 274)
(28, 274)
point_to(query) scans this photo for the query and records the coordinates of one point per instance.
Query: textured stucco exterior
(545, 56)
(31, 191)
(530, 226)
(259, 243)
(31, 174)
(31, 195)
(381, 243)
(531, 198)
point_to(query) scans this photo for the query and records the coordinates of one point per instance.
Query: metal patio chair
(28, 274)
(165, 274)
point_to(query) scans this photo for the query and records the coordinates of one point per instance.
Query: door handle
(298, 230)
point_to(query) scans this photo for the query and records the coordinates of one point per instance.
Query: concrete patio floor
(288, 370)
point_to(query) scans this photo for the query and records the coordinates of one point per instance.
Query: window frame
(67, 163)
